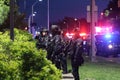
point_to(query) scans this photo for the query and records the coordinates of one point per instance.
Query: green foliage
(4, 9)
(107, 12)
(21, 60)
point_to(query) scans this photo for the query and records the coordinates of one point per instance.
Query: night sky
(59, 9)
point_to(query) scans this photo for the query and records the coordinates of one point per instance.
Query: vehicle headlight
(110, 46)
(84, 42)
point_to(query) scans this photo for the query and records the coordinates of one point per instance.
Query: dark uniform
(59, 53)
(76, 57)
(42, 39)
(64, 56)
(57, 50)
(50, 48)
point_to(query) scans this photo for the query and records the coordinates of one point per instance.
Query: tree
(69, 24)
(19, 21)
(112, 14)
(112, 9)
(4, 9)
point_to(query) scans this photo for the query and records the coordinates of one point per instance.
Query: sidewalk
(68, 76)
(109, 59)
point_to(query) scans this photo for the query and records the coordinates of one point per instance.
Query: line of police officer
(58, 47)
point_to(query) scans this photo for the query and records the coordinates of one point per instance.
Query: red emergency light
(71, 35)
(82, 34)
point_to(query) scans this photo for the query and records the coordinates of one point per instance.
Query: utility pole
(24, 5)
(118, 3)
(29, 23)
(12, 2)
(48, 14)
(93, 53)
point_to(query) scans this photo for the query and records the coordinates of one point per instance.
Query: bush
(21, 60)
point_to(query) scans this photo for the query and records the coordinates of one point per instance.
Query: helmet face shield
(43, 33)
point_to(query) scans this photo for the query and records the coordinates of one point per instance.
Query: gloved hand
(74, 60)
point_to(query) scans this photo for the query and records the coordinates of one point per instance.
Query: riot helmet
(44, 32)
(55, 30)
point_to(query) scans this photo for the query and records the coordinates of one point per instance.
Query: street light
(29, 22)
(33, 7)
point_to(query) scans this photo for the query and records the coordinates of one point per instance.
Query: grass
(99, 71)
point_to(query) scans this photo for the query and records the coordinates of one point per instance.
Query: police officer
(76, 57)
(55, 46)
(43, 39)
(59, 54)
(64, 56)
(37, 40)
(50, 46)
